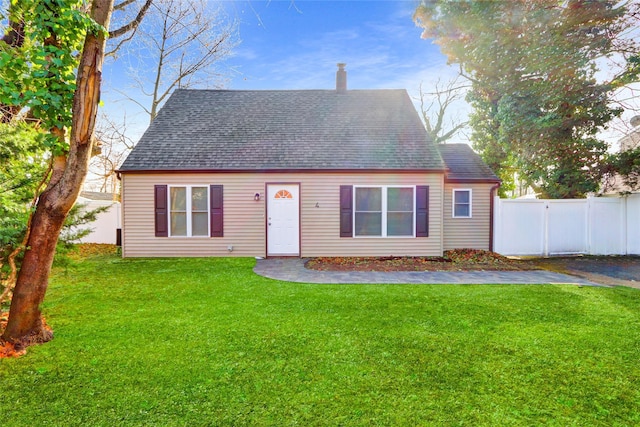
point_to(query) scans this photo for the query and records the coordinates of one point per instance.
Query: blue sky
(287, 46)
(297, 45)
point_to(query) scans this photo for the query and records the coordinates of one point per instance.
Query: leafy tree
(22, 166)
(50, 72)
(624, 166)
(538, 101)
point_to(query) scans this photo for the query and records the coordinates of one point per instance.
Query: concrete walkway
(293, 270)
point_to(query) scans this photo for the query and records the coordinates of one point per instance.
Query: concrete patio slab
(293, 270)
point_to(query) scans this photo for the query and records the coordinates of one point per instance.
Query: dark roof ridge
(289, 90)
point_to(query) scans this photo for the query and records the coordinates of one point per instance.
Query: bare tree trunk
(25, 324)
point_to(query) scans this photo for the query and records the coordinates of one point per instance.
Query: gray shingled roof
(297, 129)
(464, 164)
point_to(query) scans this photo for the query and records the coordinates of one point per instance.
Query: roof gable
(292, 130)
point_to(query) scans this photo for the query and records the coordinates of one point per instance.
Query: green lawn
(207, 342)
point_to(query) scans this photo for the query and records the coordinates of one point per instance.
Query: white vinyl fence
(595, 226)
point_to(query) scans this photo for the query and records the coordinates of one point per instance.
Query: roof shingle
(294, 130)
(465, 165)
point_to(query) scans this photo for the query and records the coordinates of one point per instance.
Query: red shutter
(346, 211)
(216, 207)
(422, 211)
(161, 211)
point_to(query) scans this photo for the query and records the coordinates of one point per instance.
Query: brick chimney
(341, 79)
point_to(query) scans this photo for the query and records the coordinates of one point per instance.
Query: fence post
(624, 224)
(497, 221)
(589, 226)
(545, 227)
(633, 224)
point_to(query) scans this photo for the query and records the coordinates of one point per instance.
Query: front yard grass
(208, 342)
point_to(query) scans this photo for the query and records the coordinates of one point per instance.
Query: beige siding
(470, 233)
(244, 218)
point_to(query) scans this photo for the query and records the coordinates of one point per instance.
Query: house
(299, 173)
(105, 228)
(632, 139)
(615, 184)
(469, 187)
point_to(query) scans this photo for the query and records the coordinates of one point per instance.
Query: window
(384, 211)
(461, 203)
(186, 211)
(189, 211)
(283, 194)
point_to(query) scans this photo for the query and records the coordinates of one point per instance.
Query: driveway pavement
(293, 270)
(609, 270)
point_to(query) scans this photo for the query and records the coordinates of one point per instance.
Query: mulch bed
(454, 260)
(8, 350)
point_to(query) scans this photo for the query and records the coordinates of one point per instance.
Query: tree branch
(123, 5)
(113, 51)
(15, 36)
(133, 24)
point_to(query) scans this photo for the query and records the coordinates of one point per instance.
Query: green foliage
(206, 341)
(631, 73)
(78, 217)
(77, 225)
(37, 80)
(484, 134)
(39, 76)
(626, 164)
(538, 106)
(22, 167)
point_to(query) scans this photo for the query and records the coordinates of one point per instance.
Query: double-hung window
(461, 203)
(189, 210)
(384, 211)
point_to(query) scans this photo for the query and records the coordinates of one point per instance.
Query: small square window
(462, 203)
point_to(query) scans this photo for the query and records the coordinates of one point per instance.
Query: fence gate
(596, 226)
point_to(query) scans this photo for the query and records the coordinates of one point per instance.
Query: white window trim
(384, 212)
(453, 203)
(188, 210)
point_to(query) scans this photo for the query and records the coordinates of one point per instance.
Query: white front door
(283, 219)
